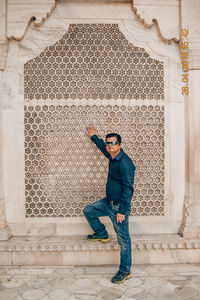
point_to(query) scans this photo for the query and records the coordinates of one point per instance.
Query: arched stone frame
(173, 108)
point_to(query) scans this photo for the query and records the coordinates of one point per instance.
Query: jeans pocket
(115, 207)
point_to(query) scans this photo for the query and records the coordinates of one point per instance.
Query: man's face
(113, 149)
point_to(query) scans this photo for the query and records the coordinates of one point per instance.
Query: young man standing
(117, 203)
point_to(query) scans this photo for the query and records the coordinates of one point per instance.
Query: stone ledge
(67, 250)
(79, 243)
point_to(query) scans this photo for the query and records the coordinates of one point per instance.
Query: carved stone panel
(93, 61)
(88, 76)
(65, 171)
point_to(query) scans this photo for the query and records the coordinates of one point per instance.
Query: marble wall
(92, 63)
(191, 219)
(15, 93)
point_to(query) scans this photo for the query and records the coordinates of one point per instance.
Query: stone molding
(81, 246)
(5, 233)
(194, 59)
(156, 23)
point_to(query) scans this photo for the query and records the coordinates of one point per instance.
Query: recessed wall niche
(63, 169)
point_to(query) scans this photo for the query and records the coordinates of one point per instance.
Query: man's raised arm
(91, 132)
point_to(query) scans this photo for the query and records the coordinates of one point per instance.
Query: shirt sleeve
(100, 144)
(127, 173)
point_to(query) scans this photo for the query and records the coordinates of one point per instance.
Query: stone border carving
(82, 246)
(32, 20)
(138, 17)
(155, 22)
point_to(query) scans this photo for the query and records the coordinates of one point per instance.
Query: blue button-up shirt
(119, 186)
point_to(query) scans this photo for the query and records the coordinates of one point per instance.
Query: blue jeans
(102, 208)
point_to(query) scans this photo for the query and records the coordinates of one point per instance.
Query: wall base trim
(64, 250)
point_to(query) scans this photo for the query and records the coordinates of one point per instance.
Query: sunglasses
(113, 143)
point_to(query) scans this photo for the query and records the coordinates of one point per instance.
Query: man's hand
(90, 130)
(120, 218)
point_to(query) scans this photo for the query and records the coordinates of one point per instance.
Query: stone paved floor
(149, 282)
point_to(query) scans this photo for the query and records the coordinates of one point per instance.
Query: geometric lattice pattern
(93, 61)
(64, 171)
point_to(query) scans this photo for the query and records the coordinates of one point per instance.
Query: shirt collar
(119, 155)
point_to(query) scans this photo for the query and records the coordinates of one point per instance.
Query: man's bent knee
(87, 209)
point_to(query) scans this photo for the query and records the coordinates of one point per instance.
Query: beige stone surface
(34, 43)
(39, 229)
(77, 250)
(180, 282)
(37, 258)
(194, 58)
(190, 19)
(20, 2)
(93, 257)
(5, 258)
(5, 232)
(191, 218)
(161, 11)
(2, 20)
(19, 12)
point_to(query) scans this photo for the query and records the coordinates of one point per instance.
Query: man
(117, 203)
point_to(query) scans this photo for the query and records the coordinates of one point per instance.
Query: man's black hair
(119, 139)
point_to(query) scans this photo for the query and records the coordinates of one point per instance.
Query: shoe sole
(127, 277)
(102, 240)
